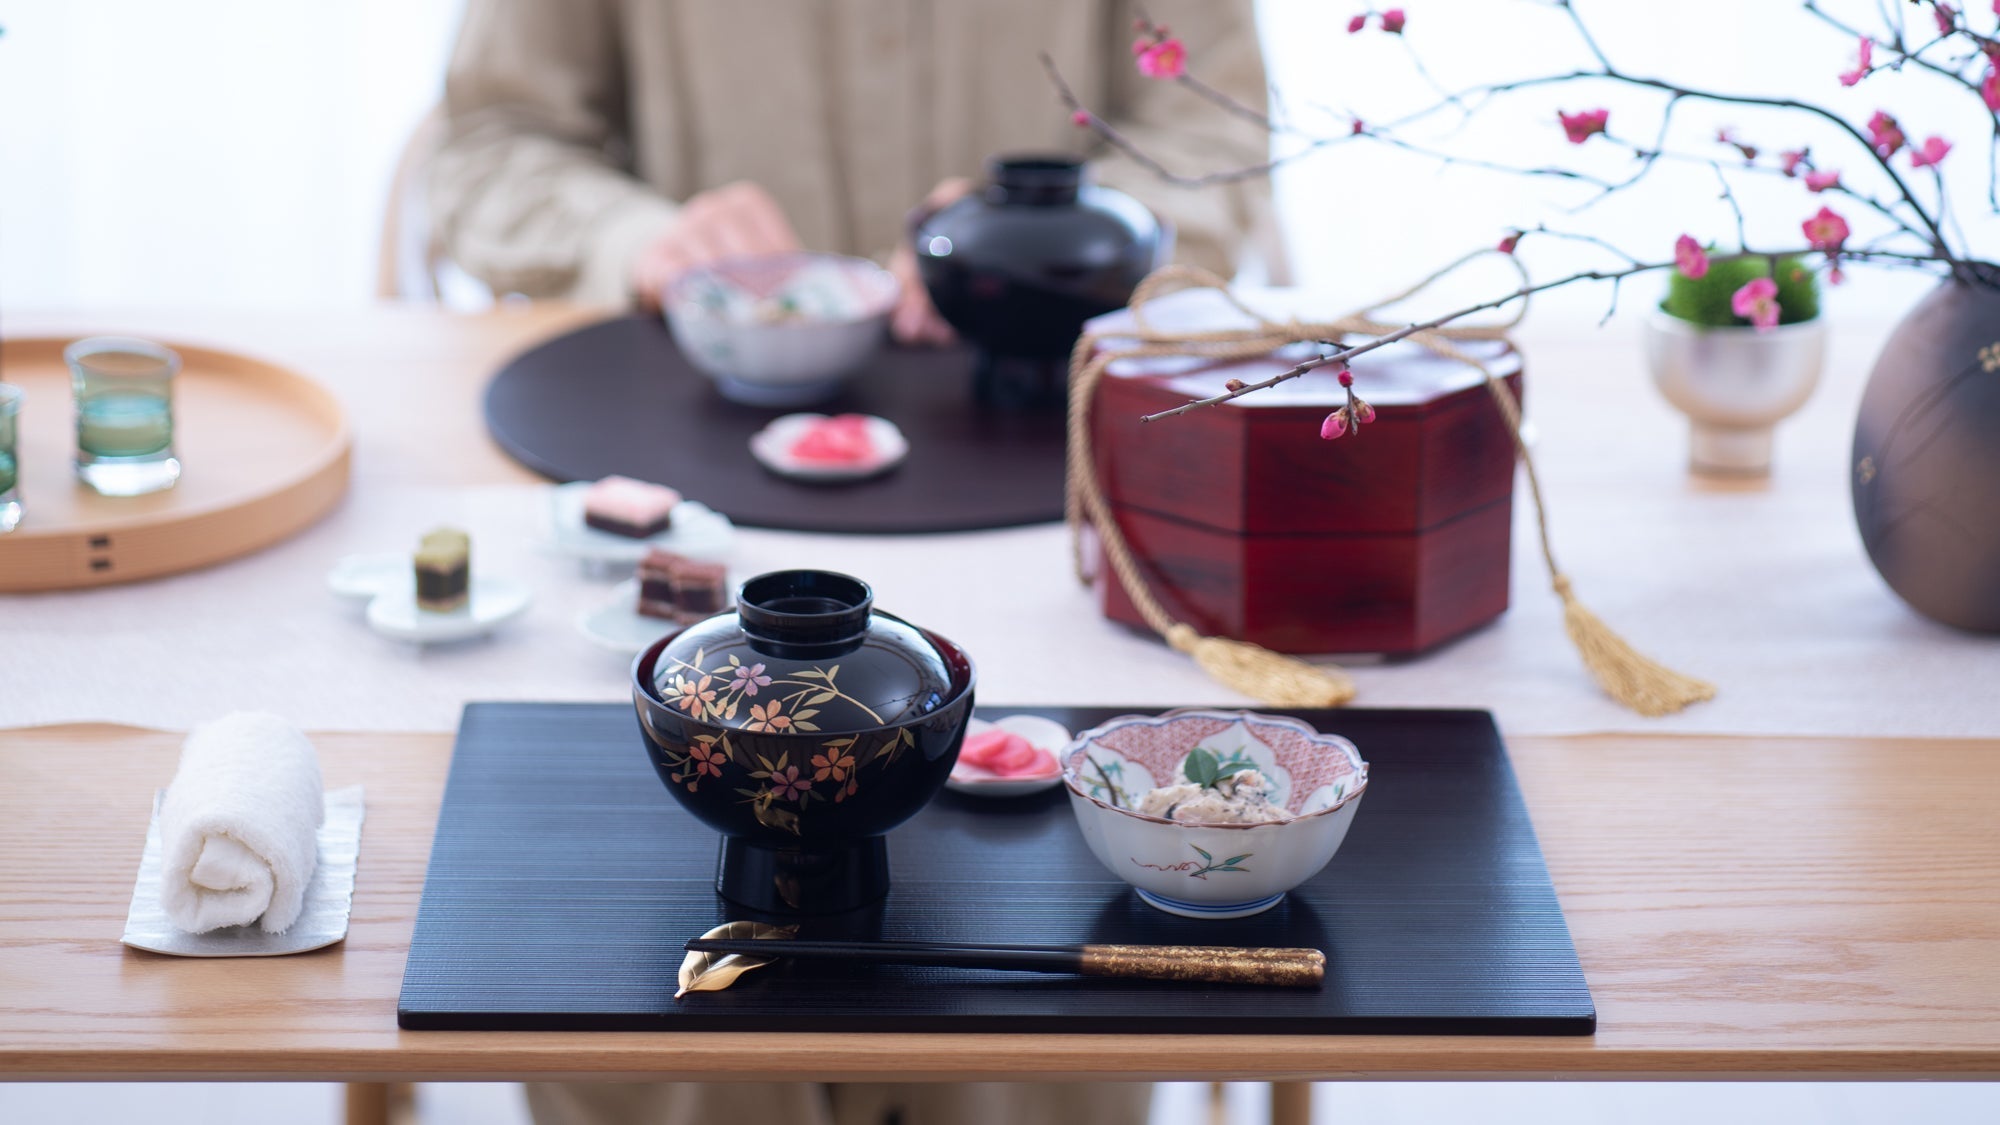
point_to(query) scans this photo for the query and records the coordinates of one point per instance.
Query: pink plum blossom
(1690, 258)
(1164, 59)
(1825, 231)
(1946, 16)
(1885, 134)
(1931, 152)
(1355, 25)
(1080, 119)
(1820, 181)
(1508, 243)
(1580, 127)
(1363, 413)
(1335, 424)
(1392, 21)
(1861, 68)
(1757, 302)
(1790, 159)
(1989, 88)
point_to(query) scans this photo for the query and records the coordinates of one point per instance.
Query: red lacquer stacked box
(1247, 524)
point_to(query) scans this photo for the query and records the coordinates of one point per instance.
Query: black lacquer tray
(618, 397)
(564, 879)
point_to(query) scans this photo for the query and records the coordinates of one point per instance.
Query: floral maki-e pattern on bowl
(802, 727)
(1213, 870)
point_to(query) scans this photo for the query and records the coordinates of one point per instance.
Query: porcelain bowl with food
(1213, 814)
(781, 330)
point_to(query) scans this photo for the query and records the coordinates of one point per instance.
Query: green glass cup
(10, 457)
(124, 392)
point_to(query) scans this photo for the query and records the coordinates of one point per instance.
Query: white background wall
(237, 151)
(205, 151)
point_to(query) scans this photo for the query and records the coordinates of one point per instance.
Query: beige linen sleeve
(528, 192)
(1192, 136)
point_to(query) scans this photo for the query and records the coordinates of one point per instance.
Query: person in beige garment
(596, 148)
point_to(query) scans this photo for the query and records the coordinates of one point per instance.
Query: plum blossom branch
(1343, 354)
(1925, 226)
(1084, 117)
(1926, 221)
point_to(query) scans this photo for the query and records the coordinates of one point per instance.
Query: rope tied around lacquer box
(1627, 675)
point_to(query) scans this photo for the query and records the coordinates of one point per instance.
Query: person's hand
(730, 221)
(916, 320)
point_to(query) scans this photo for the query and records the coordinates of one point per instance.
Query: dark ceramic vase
(1926, 466)
(802, 727)
(1018, 266)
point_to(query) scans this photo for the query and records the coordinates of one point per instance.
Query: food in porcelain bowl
(1213, 814)
(784, 329)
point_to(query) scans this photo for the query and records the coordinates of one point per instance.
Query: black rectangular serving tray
(564, 879)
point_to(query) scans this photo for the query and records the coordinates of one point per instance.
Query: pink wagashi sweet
(632, 508)
(840, 440)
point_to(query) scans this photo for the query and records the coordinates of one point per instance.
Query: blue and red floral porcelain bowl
(1213, 870)
(803, 726)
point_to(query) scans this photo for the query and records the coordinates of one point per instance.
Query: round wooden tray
(264, 454)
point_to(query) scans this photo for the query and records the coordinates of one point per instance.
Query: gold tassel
(1263, 675)
(1637, 682)
(1646, 686)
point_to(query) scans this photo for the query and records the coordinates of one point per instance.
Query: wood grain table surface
(1743, 907)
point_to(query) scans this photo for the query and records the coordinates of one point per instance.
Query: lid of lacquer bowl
(805, 652)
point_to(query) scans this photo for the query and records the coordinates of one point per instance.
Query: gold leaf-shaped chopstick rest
(713, 972)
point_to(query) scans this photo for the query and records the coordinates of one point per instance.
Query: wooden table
(1743, 908)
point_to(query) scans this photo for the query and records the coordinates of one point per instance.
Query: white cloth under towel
(239, 825)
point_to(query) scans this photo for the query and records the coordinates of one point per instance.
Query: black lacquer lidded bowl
(802, 726)
(1019, 266)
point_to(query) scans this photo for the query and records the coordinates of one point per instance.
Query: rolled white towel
(240, 825)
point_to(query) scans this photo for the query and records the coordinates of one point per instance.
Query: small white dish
(618, 625)
(360, 577)
(772, 447)
(698, 531)
(494, 602)
(1043, 734)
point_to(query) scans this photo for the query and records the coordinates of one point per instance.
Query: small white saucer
(618, 625)
(361, 577)
(772, 446)
(494, 602)
(698, 531)
(1043, 734)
